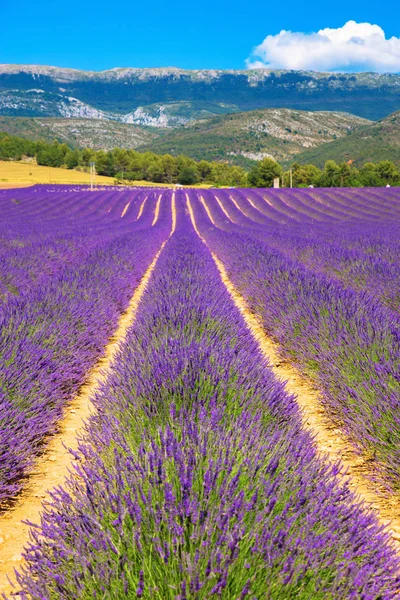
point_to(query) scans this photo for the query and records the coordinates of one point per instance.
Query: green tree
(264, 173)
(188, 175)
(155, 171)
(52, 155)
(87, 156)
(303, 175)
(104, 163)
(330, 175)
(170, 168)
(388, 173)
(237, 177)
(121, 159)
(369, 176)
(72, 159)
(137, 166)
(204, 169)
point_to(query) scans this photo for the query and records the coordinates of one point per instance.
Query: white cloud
(353, 47)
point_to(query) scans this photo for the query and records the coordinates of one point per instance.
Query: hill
(250, 136)
(240, 138)
(79, 133)
(121, 91)
(371, 143)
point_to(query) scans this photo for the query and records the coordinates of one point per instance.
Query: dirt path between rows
(141, 208)
(330, 441)
(157, 211)
(224, 210)
(52, 468)
(125, 209)
(206, 208)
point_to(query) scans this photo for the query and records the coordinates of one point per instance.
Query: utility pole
(291, 177)
(92, 175)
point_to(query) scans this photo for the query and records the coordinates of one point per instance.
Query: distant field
(4, 185)
(16, 172)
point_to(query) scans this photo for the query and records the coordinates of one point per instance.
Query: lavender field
(196, 476)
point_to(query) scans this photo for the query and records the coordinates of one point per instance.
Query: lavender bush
(57, 321)
(196, 479)
(336, 329)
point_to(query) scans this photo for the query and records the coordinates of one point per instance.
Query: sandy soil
(204, 203)
(125, 209)
(173, 210)
(224, 210)
(141, 208)
(157, 211)
(237, 206)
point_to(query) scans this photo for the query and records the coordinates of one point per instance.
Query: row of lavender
(71, 268)
(329, 294)
(362, 254)
(363, 257)
(361, 250)
(196, 479)
(42, 232)
(292, 207)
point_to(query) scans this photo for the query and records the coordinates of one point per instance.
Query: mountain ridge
(252, 74)
(121, 90)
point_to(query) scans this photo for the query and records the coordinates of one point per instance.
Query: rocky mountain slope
(372, 143)
(236, 138)
(248, 136)
(121, 91)
(79, 133)
(175, 114)
(39, 103)
(36, 103)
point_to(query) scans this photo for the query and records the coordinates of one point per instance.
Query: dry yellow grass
(29, 173)
(6, 186)
(23, 174)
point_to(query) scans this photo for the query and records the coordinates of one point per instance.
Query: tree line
(129, 165)
(125, 165)
(332, 175)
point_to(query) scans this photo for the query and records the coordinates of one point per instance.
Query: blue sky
(207, 34)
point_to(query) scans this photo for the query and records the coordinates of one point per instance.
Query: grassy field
(28, 173)
(19, 174)
(4, 185)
